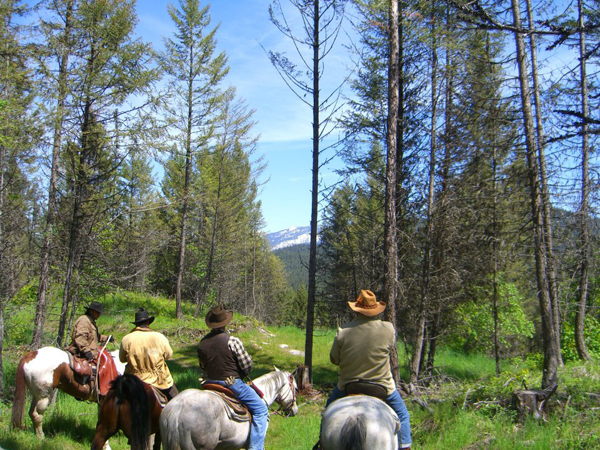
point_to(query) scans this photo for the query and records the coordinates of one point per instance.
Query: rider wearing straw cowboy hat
(146, 353)
(362, 349)
(226, 362)
(85, 338)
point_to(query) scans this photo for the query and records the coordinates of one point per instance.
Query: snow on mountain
(289, 237)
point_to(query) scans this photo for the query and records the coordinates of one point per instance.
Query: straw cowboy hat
(218, 317)
(141, 315)
(96, 306)
(366, 304)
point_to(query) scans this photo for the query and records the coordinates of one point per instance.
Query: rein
(290, 380)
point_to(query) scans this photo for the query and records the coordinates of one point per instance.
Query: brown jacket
(146, 353)
(85, 337)
(362, 350)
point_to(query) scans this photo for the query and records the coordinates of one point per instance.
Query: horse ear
(276, 369)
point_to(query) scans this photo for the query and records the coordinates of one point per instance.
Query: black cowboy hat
(141, 315)
(96, 306)
(218, 317)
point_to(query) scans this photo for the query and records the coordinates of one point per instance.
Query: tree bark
(41, 301)
(584, 208)
(551, 350)
(423, 307)
(186, 188)
(312, 259)
(390, 229)
(545, 195)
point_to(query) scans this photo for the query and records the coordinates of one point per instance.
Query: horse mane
(130, 388)
(272, 380)
(353, 434)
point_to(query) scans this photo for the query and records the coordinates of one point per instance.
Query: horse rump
(353, 434)
(19, 400)
(130, 388)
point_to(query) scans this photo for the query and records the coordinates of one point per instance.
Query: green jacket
(362, 350)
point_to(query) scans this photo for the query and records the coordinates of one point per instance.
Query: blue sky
(284, 123)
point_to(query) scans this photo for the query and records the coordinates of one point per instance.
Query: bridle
(280, 399)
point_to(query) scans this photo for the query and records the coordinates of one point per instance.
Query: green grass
(482, 421)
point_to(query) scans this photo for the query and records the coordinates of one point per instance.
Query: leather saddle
(362, 387)
(235, 409)
(85, 371)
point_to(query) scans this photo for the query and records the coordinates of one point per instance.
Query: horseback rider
(226, 362)
(85, 338)
(146, 353)
(362, 350)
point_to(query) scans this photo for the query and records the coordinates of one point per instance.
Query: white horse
(198, 420)
(359, 422)
(42, 372)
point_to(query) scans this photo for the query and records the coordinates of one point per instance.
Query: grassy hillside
(464, 407)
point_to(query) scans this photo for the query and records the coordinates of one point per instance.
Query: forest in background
(472, 218)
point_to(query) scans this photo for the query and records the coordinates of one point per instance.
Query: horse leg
(36, 412)
(157, 441)
(107, 425)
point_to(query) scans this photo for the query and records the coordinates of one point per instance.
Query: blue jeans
(256, 406)
(394, 400)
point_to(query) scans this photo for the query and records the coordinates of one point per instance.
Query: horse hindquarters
(19, 400)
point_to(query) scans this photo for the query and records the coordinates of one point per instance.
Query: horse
(198, 419)
(359, 422)
(130, 405)
(42, 372)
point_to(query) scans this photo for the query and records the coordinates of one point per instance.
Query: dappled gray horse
(359, 422)
(198, 420)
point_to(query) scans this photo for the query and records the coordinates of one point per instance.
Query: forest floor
(465, 405)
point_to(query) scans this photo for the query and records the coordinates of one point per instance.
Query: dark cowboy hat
(96, 306)
(141, 315)
(218, 317)
(367, 304)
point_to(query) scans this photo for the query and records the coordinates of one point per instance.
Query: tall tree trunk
(76, 220)
(186, 188)
(390, 229)
(585, 192)
(312, 259)
(213, 244)
(545, 198)
(551, 350)
(41, 301)
(423, 307)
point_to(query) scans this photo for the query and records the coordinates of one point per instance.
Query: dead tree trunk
(551, 349)
(585, 192)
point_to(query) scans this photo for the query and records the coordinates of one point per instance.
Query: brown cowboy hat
(367, 304)
(141, 315)
(96, 306)
(218, 317)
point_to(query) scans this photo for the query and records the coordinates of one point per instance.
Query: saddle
(85, 372)
(236, 410)
(160, 397)
(362, 387)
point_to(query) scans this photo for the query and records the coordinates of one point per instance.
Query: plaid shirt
(241, 355)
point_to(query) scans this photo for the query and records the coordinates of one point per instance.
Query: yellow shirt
(362, 350)
(146, 353)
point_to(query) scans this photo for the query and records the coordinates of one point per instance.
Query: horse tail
(19, 400)
(130, 388)
(353, 434)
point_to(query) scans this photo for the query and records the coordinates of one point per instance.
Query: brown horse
(130, 405)
(42, 372)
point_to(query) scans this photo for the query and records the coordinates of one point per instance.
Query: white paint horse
(359, 422)
(198, 420)
(42, 372)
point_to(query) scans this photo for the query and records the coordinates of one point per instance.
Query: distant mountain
(287, 238)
